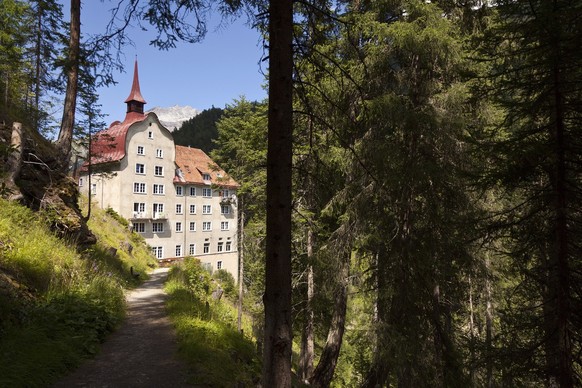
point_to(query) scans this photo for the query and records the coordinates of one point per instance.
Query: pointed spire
(135, 101)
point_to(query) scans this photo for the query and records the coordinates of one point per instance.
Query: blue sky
(214, 72)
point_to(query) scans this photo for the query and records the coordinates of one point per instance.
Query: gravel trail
(142, 352)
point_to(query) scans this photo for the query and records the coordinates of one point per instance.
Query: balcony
(226, 201)
(160, 216)
(139, 215)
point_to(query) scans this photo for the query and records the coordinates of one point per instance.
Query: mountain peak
(172, 117)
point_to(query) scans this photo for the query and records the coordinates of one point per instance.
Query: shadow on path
(142, 352)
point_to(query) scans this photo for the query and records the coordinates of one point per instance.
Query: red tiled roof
(193, 162)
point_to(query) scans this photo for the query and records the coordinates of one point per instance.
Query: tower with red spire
(135, 101)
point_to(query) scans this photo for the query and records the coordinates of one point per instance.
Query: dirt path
(142, 352)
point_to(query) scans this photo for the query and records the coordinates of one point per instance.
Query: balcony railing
(160, 216)
(139, 215)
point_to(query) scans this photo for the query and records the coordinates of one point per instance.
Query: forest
(411, 190)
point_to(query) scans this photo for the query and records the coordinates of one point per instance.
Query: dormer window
(206, 177)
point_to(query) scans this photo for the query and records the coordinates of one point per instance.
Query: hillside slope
(58, 301)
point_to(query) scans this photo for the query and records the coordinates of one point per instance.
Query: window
(178, 250)
(192, 191)
(206, 177)
(223, 225)
(140, 168)
(178, 226)
(206, 192)
(94, 188)
(140, 150)
(206, 247)
(158, 189)
(150, 135)
(159, 153)
(179, 191)
(219, 246)
(206, 226)
(192, 226)
(178, 208)
(158, 227)
(80, 182)
(139, 227)
(139, 188)
(138, 209)
(159, 171)
(224, 209)
(228, 248)
(225, 193)
(192, 249)
(158, 252)
(219, 265)
(158, 208)
(206, 209)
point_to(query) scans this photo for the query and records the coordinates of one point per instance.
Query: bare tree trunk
(68, 122)
(327, 362)
(240, 262)
(307, 341)
(471, 335)
(488, 326)
(15, 161)
(277, 297)
(37, 70)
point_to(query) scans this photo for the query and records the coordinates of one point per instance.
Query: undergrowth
(57, 304)
(218, 354)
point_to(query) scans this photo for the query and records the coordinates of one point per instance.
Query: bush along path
(142, 352)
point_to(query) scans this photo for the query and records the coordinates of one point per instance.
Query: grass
(59, 304)
(208, 338)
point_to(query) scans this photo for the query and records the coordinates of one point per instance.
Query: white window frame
(93, 188)
(225, 193)
(140, 169)
(80, 182)
(158, 189)
(139, 227)
(224, 225)
(139, 207)
(159, 153)
(139, 188)
(178, 227)
(205, 177)
(228, 246)
(140, 150)
(206, 248)
(192, 209)
(207, 192)
(206, 209)
(192, 249)
(224, 209)
(179, 191)
(192, 191)
(157, 227)
(178, 208)
(158, 252)
(192, 226)
(178, 250)
(158, 170)
(206, 226)
(150, 135)
(220, 246)
(219, 264)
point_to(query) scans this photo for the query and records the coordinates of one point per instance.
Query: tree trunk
(327, 362)
(277, 297)
(15, 161)
(488, 326)
(241, 215)
(307, 341)
(68, 122)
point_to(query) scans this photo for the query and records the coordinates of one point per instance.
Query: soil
(142, 352)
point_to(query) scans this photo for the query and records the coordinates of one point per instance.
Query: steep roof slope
(194, 162)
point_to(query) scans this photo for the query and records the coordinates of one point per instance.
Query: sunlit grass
(208, 338)
(57, 304)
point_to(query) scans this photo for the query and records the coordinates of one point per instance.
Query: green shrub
(226, 281)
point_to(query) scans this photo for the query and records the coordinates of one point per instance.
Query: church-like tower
(135, 101)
